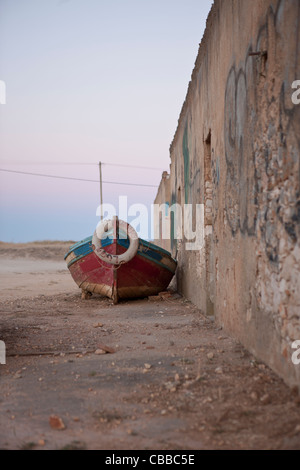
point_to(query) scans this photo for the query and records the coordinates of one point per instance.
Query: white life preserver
(104, 227)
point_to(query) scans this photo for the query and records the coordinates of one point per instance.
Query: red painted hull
(140, 277)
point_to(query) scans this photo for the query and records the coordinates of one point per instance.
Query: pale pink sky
(88, 80)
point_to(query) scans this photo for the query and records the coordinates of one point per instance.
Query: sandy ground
(172, 378)
(27, 270)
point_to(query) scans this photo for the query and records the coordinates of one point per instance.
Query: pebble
(297, 429)
(170, 387)
(100, 351)
(210, 355)
(56, 423)
(219, 370)
(265, 399)
(208, 400)
(131, 432)
(106, 348)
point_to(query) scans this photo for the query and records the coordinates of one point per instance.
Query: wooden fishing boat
(117, 264)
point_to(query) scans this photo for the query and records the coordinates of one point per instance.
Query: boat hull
(148, 273)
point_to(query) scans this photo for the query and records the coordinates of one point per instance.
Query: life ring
(104, 227)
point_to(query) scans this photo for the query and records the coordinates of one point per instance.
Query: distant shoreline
(42, 250)
(39, 242)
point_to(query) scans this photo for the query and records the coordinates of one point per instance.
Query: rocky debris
(164, 296)
(162, 373)
(154, 298)
(85, 295)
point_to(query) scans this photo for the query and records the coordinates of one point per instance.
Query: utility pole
(101, 196)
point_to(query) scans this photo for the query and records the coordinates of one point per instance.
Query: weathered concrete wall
(236, 150)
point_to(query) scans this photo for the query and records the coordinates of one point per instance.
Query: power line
(78, 179)
(85, 164)
(133, 166)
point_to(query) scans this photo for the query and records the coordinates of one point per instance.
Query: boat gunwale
(145, 243)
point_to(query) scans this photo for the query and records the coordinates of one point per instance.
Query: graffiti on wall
(241, 188)
(262, 133)
(186, 163)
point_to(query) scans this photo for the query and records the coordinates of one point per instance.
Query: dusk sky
(88, 81)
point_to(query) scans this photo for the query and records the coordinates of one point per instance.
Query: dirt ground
(170, 379)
